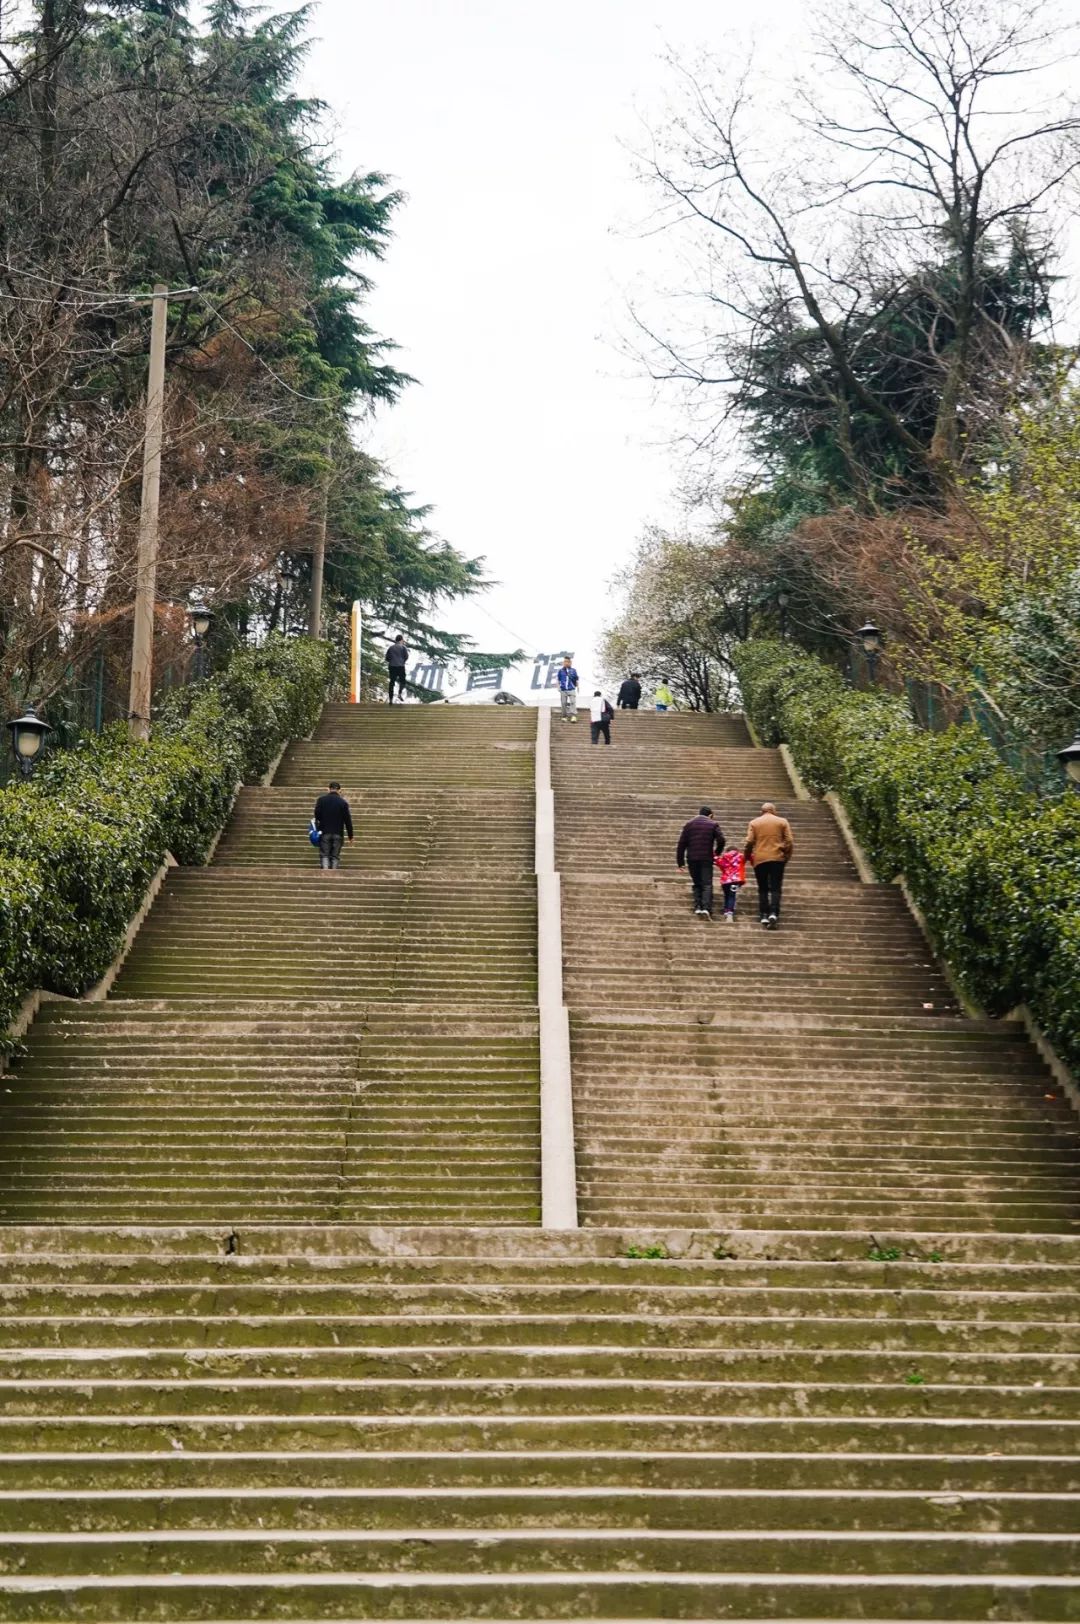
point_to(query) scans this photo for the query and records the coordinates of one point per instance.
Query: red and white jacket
(732, 866)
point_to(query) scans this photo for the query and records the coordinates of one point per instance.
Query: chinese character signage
(545, 673)
(535, 681)
(491, 678)
(429, 676)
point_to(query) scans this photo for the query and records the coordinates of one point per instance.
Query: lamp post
(1070, 761)
(200, 617)
(27, 736)
(288, 574)
(870, 638)
(783, 599)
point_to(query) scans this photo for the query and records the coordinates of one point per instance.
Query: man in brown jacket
(769, 845)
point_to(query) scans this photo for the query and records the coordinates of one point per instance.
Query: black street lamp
(27, 737)
(871, 640)
(1070, 760)
(200, 617)
(287, 575)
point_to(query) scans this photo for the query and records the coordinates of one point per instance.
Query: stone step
(451, 1506)
(768, 1478)
(439, 1397)
(249, 1316)
(837, 1380)
(489, 1552)
(860, 1434)
(737, 1597)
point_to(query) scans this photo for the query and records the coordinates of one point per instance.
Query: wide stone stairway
(287, 1044)
(281, 1337)
(820, 1075)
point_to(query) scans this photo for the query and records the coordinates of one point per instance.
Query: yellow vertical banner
(354, 657)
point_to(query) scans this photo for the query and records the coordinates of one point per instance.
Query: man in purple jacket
(700, 838)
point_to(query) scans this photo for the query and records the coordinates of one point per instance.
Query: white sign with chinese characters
(535, 682)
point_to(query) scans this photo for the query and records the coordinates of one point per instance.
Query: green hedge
(81, 841)
(995, 870)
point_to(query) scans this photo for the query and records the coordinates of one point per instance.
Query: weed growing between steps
(80, 842)
(995, 869)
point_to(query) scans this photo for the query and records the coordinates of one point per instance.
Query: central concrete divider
(557, 1160)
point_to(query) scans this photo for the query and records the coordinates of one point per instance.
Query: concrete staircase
(280, 1337)
(284, 1044)
(817, 1075)
(513, 1426)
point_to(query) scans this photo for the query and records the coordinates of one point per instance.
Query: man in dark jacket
(397, 658)
(630, 692)
(700, 838)
(334, 823)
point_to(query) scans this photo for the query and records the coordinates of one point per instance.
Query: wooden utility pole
(142, 642)
(318, 562)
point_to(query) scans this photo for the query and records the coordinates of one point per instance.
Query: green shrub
(21, 888)
(995, 870)
(263, 697)
(81, 841)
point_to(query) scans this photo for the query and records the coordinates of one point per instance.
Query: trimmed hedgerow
(81, 841)
(21, 889)
(995, 870)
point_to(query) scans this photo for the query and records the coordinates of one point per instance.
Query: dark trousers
(770, 882)
(629, 704)
(701, 875)
(397, 679)
(731, 898)
(330, 851)
(596, 728)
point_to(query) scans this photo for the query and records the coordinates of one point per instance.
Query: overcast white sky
(505, 123)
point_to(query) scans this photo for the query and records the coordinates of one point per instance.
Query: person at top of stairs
(568, 683)
(665, 699)
(701, 838)
(769, 845)
(397, 658)
(333, 820)
(630, 692)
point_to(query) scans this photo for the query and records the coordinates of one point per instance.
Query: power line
(522, 642)
(102, 295)
(102, 298)
(316, 400)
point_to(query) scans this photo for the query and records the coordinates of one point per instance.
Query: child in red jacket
(732, 866)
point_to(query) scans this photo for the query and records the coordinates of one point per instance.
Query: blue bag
(313, 833)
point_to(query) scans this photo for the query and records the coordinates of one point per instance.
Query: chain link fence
(936, 708)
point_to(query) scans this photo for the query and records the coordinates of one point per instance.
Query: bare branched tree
(933, 141)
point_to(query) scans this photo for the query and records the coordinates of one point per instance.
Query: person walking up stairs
(333, 823)
(769, 846)
(700, 841)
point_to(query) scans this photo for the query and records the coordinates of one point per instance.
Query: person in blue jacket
(568, 682)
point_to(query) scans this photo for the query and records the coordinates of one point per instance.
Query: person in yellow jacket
(665, 699)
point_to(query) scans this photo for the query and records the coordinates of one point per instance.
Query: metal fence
(92, 695)
(935, 708)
